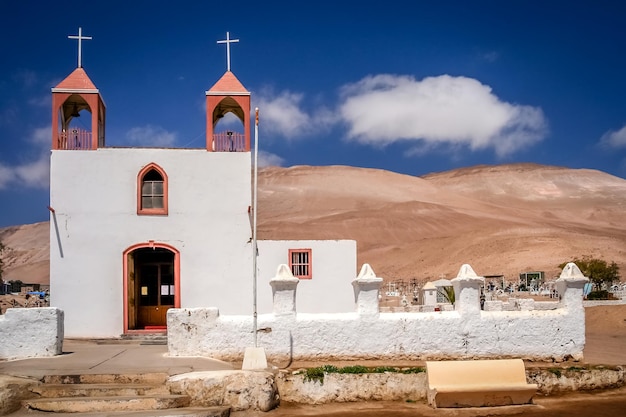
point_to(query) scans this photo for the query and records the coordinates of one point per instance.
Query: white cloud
(444, 110)
(267, 159)
(230, 120)
(613, 139)
(33, 173)
(151, 136)
(281, 115)
(7, 175)
(42, 137)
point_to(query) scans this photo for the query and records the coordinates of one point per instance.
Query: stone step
(92, 404)
(98, 390)
(217, 411)
(152, 378)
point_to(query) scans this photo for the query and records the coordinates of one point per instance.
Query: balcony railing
(229, 142)
(74, 139)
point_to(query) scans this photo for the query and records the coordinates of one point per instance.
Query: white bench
(478, 383)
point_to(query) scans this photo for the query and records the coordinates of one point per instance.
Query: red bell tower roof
(228, 84)
(77, 80)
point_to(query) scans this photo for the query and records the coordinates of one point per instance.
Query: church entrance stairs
(131, 394)
(146, 338)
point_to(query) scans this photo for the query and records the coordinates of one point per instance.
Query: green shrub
(317, 374)
(383, 369)
(598, 295)
(415, 370)
(356, 369)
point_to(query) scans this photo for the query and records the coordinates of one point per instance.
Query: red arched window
(152, 190)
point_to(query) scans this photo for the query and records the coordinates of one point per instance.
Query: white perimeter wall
(467, 332)
(334, 268)
(94, 196)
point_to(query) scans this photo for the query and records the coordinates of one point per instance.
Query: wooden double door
(154, 288)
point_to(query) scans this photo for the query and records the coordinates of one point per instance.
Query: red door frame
(149, 244)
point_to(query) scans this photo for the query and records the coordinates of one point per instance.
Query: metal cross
(80, 38)
(228, 41)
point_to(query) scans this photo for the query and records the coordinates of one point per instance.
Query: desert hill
(27, 257)
(502, 219)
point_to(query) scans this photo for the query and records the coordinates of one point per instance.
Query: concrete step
(114, 403)
(172, 412)
(98, 390)
(152, 378)
(146, 339)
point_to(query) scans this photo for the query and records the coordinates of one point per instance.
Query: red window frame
(301, 263)
(162, 211)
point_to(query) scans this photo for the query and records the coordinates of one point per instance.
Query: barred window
(300, 263)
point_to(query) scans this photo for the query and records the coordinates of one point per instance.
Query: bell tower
(72, 95)
(227, 95)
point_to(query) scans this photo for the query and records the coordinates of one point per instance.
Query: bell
(75, 112)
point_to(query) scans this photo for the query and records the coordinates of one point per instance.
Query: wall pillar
(467, 290)
(366, 290)
(284, 286)
(570, 286)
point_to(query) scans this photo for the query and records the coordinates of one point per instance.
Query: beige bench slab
(478, 383)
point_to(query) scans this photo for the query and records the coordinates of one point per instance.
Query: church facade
(137, 231)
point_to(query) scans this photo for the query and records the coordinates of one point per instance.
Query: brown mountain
(502, 219)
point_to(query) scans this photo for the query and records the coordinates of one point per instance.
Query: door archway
(151, 286)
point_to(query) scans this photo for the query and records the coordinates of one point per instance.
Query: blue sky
(408, 86)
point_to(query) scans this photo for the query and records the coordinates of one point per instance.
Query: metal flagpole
(255, 250)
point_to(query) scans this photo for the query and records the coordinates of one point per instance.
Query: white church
(137, 231)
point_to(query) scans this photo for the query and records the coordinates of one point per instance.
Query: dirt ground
(606, 335)
(596, 404)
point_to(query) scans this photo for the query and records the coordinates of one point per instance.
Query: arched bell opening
(75, 131)
(228, 126)
(78, 119)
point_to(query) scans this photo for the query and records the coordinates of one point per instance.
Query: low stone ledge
(555, 380)
(295, 387)
(388, 386)
(240, 390)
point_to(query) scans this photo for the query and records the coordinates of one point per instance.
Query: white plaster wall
(466, 332)
(334, 268)
(31, 333)
(94, 197)
(538, 335)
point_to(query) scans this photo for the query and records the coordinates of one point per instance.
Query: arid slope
(500, 219)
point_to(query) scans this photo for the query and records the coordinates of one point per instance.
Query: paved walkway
(109, 357)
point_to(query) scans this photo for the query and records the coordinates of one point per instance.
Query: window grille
(300, 263)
